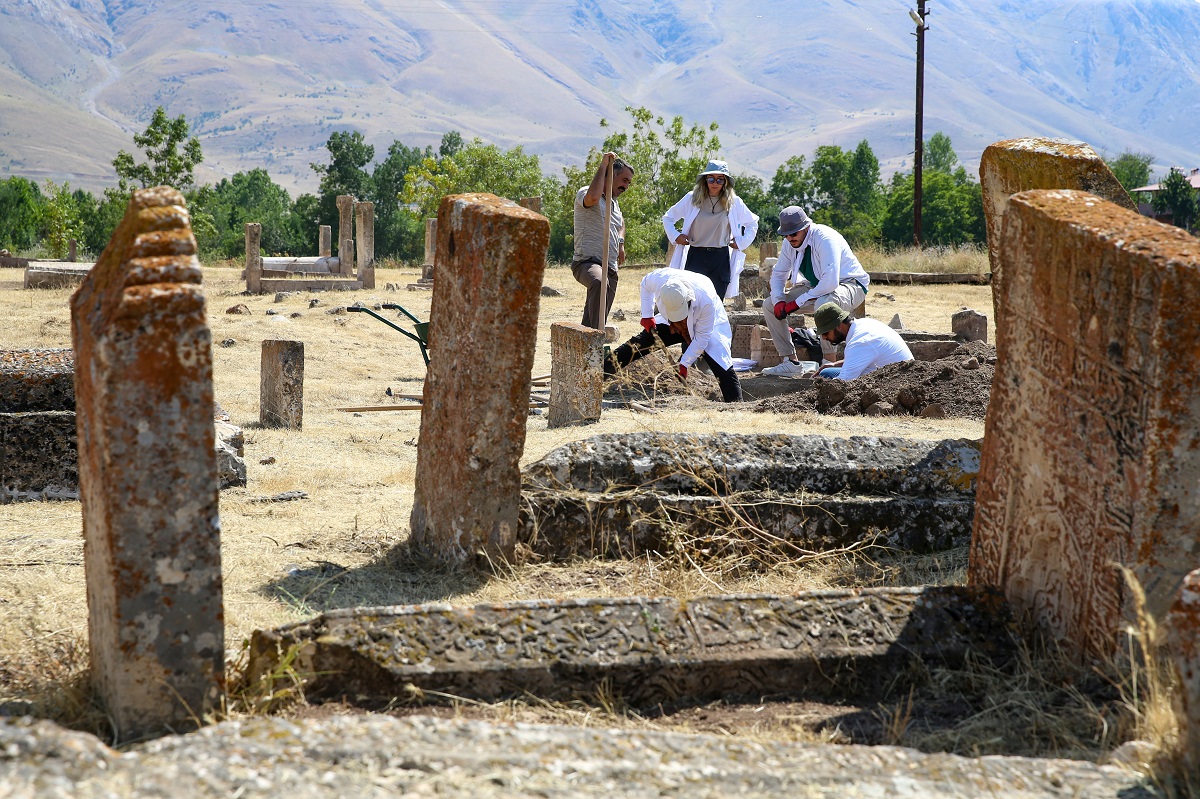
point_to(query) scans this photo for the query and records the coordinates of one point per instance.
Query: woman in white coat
(717, 228)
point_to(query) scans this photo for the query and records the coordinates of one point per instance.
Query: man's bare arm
(596, 188)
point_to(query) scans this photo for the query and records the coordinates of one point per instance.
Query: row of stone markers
(355, 259)
(1090, 456)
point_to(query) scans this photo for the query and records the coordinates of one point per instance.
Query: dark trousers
(587, 274)
(713, 263)
(641, 344)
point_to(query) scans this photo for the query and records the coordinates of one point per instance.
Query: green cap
(829, 316)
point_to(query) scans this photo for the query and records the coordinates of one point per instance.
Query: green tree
(846, 193)
(100, 222)
(60, 218)
(793, 184)
(397, 234)
(939, 155)
(754, 194)
(951, 212)
(250, 197)
(1132, 170)
(20, 213)
(452, 143)
(1176, 196)
(167, 164)
(345, 173)
(477, 167)
(667, 156)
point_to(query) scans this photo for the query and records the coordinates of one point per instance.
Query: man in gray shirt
(590, 209)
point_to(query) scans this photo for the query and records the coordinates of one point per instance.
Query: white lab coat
(707, 323)
(743, 225)
(833, 263)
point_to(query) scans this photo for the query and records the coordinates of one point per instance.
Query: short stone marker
(365, 221)
(576, 374)
(1183, 635)
(968, 325)
(430, 242)
(345, 206)
(254, 261)
(281, 384)
(1035, 162)
(762, 348)
(148, 474)
(476, 400)
(324, 241)
(1092, 452)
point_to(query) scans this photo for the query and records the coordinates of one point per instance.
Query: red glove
(682, 372)
(780, 310)
(790, 307)
(648, 324)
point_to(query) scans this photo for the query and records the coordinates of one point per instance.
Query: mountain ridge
(265, 86)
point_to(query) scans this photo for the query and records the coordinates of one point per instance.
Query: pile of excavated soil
(958, 385)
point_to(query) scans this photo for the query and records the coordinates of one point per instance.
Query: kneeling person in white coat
(870, 344)
(689, 313)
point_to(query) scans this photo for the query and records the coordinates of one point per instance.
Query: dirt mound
(958, 385)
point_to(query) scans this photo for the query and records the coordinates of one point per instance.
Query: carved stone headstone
(768, 249)
(325, 241)
(1092, 452)
(148, 474)
(254, 263)
(281, 384)
(532, 203)
(483, 324)
(1034, 162)
(365, 222)
(72, 250)
(345, 206)
(576, 374)
(430, 242)
(1183, 635)
(968, 325)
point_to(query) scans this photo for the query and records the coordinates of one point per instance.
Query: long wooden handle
(602, 313)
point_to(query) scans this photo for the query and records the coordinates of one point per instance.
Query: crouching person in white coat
(689, 313)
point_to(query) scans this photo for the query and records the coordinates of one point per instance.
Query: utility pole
(919, 150)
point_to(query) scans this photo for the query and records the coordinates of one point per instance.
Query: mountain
(264, 84)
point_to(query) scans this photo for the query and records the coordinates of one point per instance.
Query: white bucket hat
(674, 299)
(716, 168)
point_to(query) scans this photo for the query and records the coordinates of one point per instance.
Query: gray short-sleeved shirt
(589, 222)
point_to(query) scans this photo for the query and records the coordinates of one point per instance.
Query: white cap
(674, 298)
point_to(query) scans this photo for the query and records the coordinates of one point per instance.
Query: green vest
(806, 268)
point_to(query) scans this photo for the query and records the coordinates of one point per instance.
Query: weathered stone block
(807, 492)
(37, 456)
(468, 480)
(762, 348)
(969, 325)
(254, 261)
(345, 206)
(281, 384)
(741, 341)
(324, 241)
(147, 473)
(1092, 452)
(58, 276)
(1035, 162)
(430, 242)
(365, 221)
(642, 650)
(37, 380)
(576, 374)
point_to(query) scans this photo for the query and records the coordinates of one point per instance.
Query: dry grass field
(285, 561)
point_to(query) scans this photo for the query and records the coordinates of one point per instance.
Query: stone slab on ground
(766, 494)
(639, 650)
(375, 756)
(38, 458)
(55, 276)
(37, 380)
(270, 285)
(686, 463)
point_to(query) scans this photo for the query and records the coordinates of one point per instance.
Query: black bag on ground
(807, 341)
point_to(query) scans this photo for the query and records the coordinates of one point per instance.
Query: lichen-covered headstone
(148, 473)
(1183, 635)
(281, 384)
(1036, 162)
(576, 374)
(483, 325)
(1092, 451)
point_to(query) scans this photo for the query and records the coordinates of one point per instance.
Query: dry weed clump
(959, 259)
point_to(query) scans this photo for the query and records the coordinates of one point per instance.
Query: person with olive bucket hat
(689, 313)
(821, 267)
(717, 229)
(870, 344)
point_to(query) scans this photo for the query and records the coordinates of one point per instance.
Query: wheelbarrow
(421, 334)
